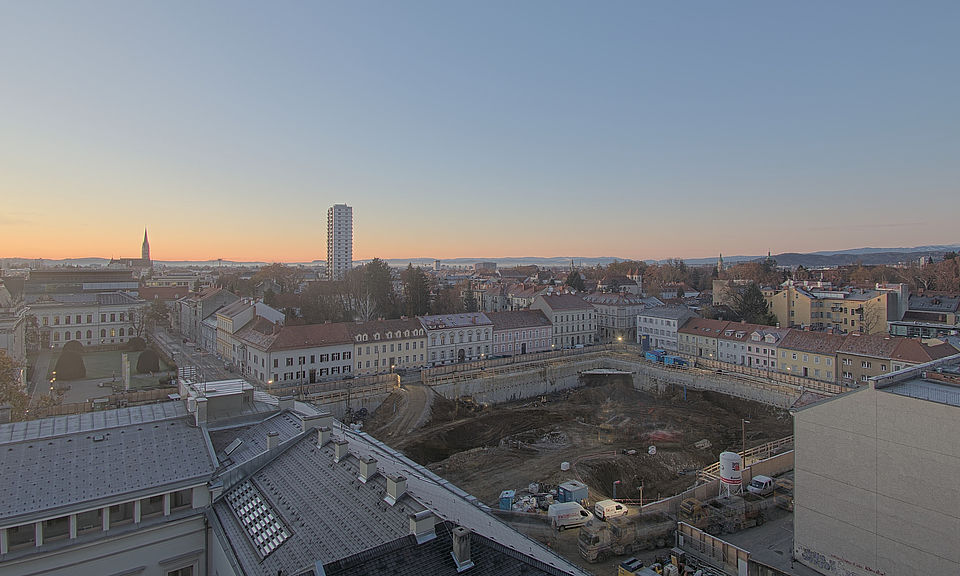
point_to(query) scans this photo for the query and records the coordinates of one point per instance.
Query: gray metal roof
(254, 438)
(922, 389)
(77, 423)
(47, 474)
(329, 513)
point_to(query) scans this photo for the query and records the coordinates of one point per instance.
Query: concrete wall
(875, 485)
(525, 382)
(155, 549)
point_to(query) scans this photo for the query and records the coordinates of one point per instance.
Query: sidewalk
(40, 379)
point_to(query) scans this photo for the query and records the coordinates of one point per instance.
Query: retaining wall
(524, 382)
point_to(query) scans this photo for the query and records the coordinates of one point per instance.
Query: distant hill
(867, 256)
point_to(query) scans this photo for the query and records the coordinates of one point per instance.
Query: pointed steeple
(720, 264)
(145, 250)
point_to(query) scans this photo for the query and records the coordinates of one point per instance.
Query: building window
(181, 499)
(152, 506)
(56, 529)
(89, 334)
(121, 514)
(21, 536)
(90, 521)
(185, 571)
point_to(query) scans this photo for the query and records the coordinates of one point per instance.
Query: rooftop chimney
(422, 526)
(396, 487)
(368, 468)
(201, 413)
(340, 449)
(273, 440)
(323, 436)
(286, 403)
(461, 548)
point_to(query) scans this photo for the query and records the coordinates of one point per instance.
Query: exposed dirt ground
(485, 450)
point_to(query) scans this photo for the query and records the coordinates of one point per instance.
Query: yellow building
(810, 355)
(821, 308)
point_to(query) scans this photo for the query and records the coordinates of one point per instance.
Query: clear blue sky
(632, 129)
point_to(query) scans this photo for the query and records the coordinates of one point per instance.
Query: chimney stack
(422, 526)
(461, 549)
(323, 436)
(201, 413)
(368, 468)
(396, 487)
(273, 440)
(286, 403)
(340, 449)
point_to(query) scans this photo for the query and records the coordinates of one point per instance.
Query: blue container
(572, 491)
(506, 499)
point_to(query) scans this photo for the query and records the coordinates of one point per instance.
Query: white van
(609, 509)
(761, 485)
(568, 515)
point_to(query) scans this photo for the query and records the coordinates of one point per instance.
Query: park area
(104, 376)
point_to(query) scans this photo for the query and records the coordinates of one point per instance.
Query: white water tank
(564, 466)
(730, 473)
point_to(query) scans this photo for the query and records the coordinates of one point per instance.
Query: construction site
(621, 428)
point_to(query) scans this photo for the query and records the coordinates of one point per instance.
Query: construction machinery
(624, 535)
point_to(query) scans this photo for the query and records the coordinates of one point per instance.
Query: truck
(761, 485)
(565, 515)
(655, 356)
(725, 515)
(675, 361)
(624, 535)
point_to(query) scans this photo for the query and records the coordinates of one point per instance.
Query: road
(40, 380)
(209, 366)
(411, 405)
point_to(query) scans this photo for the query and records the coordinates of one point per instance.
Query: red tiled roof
(815, 342)
(705, 327)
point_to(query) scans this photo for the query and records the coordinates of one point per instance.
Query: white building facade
(453, 338)
(660, 326)
(105, 319)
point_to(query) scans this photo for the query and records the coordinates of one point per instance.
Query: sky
(477, 129)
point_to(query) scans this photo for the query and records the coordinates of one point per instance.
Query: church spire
(145, 250)
(720, 264)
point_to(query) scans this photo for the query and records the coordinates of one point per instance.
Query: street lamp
(743, 433)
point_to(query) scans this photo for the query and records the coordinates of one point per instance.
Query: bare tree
(138, 320)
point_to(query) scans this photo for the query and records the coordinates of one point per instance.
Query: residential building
(616, 314)
(810, 355)
(874, 488)
(295, 354)
(763, 346)
(189, 279)
(388, 345)
(192, 310)
(93, 319)
(573, 318)
(816, 308)
(658, 327)
(862, 357)
(700, 337)
(230, 319)
(13, 323)
(457, 337)
(339, 241)
(520, 332)
(521, 296)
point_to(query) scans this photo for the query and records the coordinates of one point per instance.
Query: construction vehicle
(725, 515)
(624, 535)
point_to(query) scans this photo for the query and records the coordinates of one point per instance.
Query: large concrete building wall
(876, 489)
(144, 551)
(498, 387)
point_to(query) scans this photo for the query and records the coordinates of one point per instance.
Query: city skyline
(639, 131)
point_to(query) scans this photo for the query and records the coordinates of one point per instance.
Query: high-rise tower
(339, 241)
(145, 250)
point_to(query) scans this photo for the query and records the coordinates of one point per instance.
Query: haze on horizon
(636, 130)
